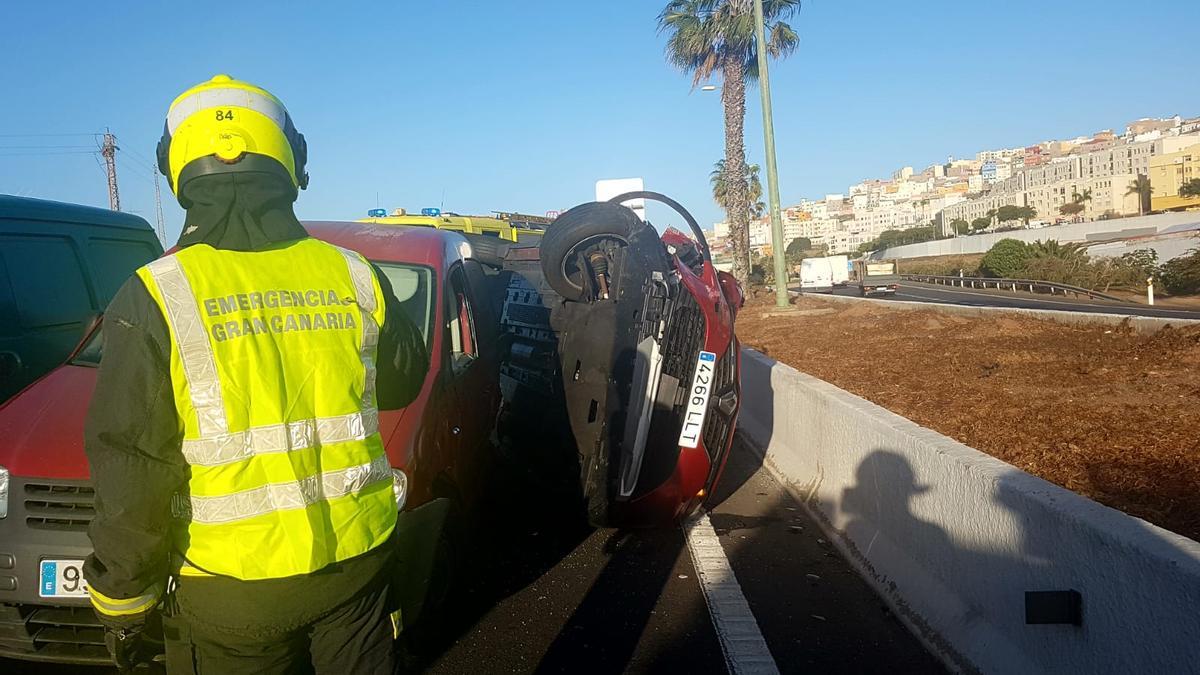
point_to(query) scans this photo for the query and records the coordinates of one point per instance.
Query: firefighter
(243, 498)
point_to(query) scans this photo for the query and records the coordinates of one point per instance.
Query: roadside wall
(953, 538)
(1140, 324)
(1099, 230)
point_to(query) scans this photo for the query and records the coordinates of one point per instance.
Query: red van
(440, 443)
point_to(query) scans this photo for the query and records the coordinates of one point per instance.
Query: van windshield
(412, 285)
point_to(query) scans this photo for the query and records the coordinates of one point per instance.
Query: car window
(113, 261)
(413, 287)
(47, 281)
(460, 319)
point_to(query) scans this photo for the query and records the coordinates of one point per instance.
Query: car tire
(488, 250)
(584, 223)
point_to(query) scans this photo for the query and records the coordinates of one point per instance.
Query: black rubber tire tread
(580, 223)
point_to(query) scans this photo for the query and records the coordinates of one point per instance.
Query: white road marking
(741, 640)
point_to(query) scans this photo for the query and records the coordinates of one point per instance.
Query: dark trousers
(356, 637)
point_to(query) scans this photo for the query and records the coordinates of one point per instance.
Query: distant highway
(917, 292)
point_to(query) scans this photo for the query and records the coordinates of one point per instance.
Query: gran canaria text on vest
(277, 323)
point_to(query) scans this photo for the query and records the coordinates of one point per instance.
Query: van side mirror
(90, 321)
(10, 364)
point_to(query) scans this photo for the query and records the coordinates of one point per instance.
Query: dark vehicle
(634, 331)
(878, 277)
(439, 447)
(60, 264)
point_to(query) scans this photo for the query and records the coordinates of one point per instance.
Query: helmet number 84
(223, 115)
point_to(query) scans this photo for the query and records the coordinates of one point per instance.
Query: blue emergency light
(432, 213)
(376, 213)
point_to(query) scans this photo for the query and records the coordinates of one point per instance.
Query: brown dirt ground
(1103, 411)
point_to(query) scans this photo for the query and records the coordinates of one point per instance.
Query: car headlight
(399, 487)
(3, 492)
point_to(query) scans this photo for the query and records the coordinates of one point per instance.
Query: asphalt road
(549, 594)
(977, 297)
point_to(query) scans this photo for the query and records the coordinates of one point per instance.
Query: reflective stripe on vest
(364, 292)
(233, 447)
(276, 423)
(195, 351)
(283, 496)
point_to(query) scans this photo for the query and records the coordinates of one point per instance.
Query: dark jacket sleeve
(132, 440)
(403, 360)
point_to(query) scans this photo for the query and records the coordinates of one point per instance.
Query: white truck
(839, 266)
(878, 277)
(822, 274)
(816, 275)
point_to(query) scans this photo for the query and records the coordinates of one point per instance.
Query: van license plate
(63, 579)
(697, 407)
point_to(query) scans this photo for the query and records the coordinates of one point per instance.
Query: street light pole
(764, 83)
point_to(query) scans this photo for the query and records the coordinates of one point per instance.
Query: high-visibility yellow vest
(273, 370)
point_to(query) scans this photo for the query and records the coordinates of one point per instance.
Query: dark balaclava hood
(239, 211)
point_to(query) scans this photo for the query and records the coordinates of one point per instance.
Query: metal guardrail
(1015, 285)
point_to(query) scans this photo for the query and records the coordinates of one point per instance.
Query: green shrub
(1058, 270)
(1006, 258)
(1181, 276)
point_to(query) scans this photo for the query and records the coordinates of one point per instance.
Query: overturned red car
(642, 330)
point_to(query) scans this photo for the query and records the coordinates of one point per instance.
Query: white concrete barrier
(954, 538)
(1097, 230)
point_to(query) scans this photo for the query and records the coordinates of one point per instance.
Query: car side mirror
(92, 320)
(732, 289)
(10, 364)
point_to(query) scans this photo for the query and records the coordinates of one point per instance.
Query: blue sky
(524, 105)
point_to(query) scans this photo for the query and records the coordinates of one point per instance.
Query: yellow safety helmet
(225, 125)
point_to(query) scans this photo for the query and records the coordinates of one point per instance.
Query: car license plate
(63, 579)
(697, 407)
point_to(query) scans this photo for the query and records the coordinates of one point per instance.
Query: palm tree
(716, 37)
(1077, 200)
(1052, 248)
(754, 189)
(1142, 188)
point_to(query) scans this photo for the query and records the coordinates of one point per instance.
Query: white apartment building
(817, 209)
(891, 217)
(927, 209)
(978, 208)
(1106, 173)
(847, 240)
(999, 156)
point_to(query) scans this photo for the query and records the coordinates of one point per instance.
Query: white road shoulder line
(741, 640)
